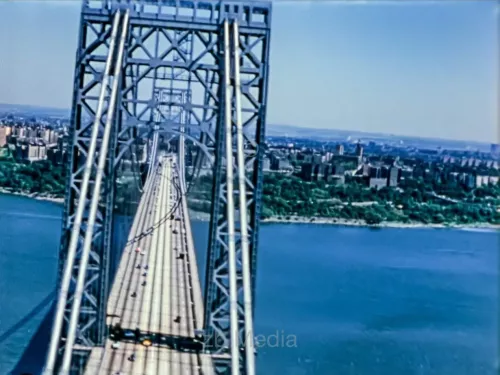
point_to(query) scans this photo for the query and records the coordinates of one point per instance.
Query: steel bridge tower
(174, 49)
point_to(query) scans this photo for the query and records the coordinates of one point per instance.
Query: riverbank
(384, 224)
(41, 197)
(202, 216)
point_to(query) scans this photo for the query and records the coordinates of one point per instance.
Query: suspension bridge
(163, 91)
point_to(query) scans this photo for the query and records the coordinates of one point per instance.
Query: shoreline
(202, 216)
(40, 197)
(384, 224)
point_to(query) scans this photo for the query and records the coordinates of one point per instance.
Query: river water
(330, 300)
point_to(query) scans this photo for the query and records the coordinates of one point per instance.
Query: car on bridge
(188, 344)
(199, 334)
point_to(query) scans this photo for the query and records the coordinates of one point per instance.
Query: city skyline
(413, 69)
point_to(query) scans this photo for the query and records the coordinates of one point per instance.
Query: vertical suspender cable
(152, 156)
(155, 151)
(75, 312)
(247, 281)
(233, 291)
(182, 154)
(75, 233)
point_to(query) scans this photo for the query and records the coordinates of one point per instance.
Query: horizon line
(303, 127)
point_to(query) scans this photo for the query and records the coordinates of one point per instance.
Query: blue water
(330, 300)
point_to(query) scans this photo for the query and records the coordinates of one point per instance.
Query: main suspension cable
(87, 244)
(75, 233)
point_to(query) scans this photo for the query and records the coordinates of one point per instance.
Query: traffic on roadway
(155, 307)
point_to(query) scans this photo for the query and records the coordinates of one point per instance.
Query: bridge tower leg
(91, 55)
(254, 22)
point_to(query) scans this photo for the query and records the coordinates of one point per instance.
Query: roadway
(164, 297)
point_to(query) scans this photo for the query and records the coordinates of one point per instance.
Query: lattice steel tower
(172, 80)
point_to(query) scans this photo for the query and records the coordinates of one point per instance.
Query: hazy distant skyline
(411, 68)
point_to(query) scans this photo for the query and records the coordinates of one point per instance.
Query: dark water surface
(330, 300)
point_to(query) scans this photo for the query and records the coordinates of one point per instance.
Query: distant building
(365, 170)
(306, 171)
(321, 171)
(45, 135)
(486, 180)
(61, 142)
(316, 159)
(49, 136)
(32, 133)
(307, 158)
(384, 171)
(21, 132)
(406, 173)
(33, 152)
(266, 165)
(54, 137)
(375, 172)
(339, 149)
(55, 155)
(494, 148)
(279, 164)
(338, 169)
(469, 180)
(377, 182)
(21, 152)
(394, 173)
(42, 152)
(3, 136)
(359, 150)
(327, 171)
(345, 159)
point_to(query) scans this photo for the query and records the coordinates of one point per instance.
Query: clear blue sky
(415, 68)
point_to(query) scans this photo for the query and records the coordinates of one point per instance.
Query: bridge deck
(171, 290)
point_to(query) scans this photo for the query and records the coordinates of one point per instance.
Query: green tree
(372, 218)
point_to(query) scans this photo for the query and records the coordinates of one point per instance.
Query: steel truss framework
(175, 46)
